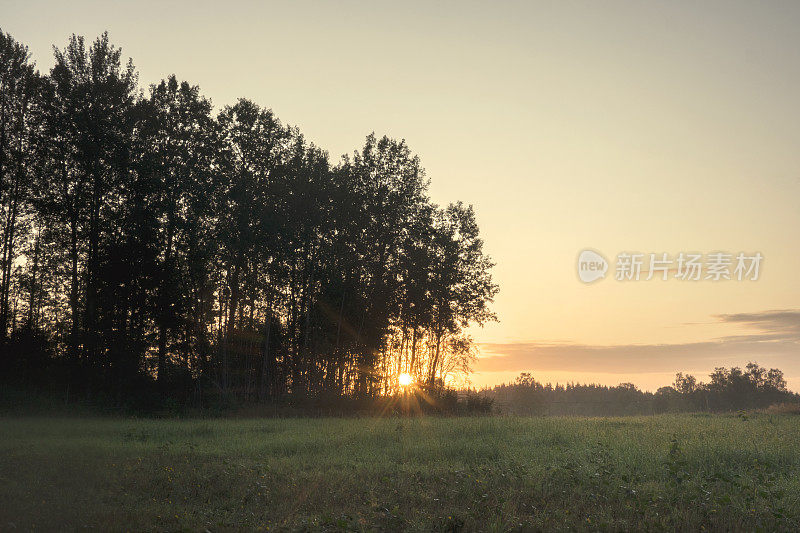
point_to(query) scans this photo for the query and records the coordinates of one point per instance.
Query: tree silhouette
(153, 250)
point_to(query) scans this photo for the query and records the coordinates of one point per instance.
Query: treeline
(151, 246)
(731, 389)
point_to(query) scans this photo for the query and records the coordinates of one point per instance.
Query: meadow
(718, 472)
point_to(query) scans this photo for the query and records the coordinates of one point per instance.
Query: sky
(611, 126)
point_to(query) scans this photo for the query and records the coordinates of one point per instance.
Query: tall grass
(483, 473)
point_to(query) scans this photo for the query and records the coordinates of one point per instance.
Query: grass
(447, 474)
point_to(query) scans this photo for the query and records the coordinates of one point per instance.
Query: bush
(784, 408)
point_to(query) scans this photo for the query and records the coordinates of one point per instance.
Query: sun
(405, 379)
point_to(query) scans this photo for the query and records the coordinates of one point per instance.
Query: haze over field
(615, 126)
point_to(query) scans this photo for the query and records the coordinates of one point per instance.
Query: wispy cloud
(782, 323)
(775, 342)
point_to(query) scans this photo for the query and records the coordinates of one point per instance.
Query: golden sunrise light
(528, 265)
(651, 127)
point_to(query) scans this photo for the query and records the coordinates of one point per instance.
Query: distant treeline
(727, 390)
(152, 249)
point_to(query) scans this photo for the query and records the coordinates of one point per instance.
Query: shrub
(784, 408)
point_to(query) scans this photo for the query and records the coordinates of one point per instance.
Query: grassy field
(447, 474)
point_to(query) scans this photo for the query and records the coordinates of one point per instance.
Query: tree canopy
(151, 243)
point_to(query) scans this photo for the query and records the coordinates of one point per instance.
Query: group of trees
(728, 390)
(149, 243)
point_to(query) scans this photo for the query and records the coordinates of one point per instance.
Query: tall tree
(390, 183)
(180, 153)
(19, 90)
(91, 124)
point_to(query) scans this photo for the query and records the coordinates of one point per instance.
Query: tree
(685, 384)
(179, 151)
(19, 113)
(159, 249)
(461, 283)
(391, 186)
(90, 121)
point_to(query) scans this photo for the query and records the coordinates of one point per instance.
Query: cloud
(776, 342)
(784, 323)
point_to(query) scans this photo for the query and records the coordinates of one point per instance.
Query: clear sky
(617, 126)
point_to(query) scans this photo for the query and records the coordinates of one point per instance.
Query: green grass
(490, 474)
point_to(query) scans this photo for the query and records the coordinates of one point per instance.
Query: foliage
(728, 390)
(151, 247)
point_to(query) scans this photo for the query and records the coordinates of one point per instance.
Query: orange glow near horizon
(647, 127)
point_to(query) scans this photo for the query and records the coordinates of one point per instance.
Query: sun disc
(405, 379)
